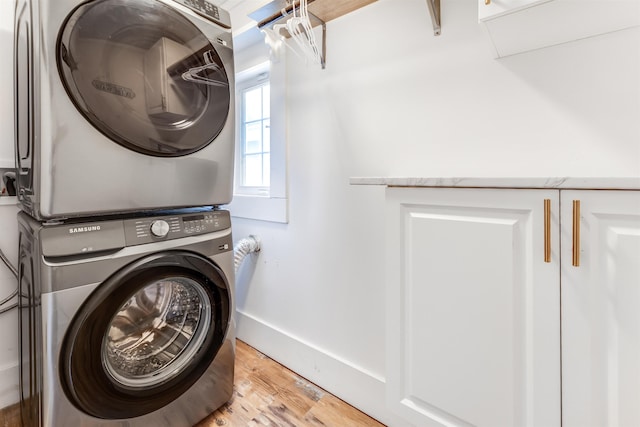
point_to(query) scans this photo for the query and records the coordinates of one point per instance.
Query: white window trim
(272, 207)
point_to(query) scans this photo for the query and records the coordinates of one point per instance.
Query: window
(255, 139)
(260, 190)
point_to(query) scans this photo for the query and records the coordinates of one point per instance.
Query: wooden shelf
(328, 10)
(325, 10)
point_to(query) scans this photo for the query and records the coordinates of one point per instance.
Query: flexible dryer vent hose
(243, 248)
(8, 264)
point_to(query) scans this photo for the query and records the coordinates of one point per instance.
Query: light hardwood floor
(266, 394)
(10, 416)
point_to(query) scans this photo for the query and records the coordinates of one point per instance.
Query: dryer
(126, 321)
(122, 105)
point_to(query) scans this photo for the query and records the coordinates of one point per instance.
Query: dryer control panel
(153, 229)
(209, 11)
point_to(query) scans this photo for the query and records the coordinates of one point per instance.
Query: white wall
(396, 101)
(8, 211)
(8, 321)
(6, 84)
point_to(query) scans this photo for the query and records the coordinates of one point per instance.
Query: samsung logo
(84, 229)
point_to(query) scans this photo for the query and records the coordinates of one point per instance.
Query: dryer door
(145, 335)
(23, 86)
(144, 75)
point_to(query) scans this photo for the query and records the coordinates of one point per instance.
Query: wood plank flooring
(10, 416)
(266, 394)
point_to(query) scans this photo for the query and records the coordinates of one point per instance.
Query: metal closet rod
(434, 11)
(283, 12)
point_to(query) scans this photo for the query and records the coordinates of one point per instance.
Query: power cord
(10, 297)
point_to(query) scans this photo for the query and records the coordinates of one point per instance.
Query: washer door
(145, 335)
(144, 75)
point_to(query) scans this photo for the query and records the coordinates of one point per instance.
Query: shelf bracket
(434, 11)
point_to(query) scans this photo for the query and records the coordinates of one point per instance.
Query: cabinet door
(601, 310)
(473, 310)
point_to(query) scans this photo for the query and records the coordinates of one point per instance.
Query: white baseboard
(356, 386)
(9, 388)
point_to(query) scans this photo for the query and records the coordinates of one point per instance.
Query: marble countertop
(600, 183)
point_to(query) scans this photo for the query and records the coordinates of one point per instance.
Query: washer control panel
(153, 229)
(200, 223)
(209, 11)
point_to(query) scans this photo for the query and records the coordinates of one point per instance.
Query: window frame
(241, 188)
(271, 205)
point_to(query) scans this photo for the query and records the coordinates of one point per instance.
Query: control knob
(160, 228)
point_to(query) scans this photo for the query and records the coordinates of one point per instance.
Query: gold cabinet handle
(487, 2)
(547, 230)
(576, 234)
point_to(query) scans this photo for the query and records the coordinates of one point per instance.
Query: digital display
(203, 6)
(193, 218)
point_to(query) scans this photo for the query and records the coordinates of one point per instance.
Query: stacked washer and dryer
(124, 155)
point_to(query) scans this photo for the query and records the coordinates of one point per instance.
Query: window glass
(266, 98)
(144, 76)
(266, 168)
(253, 104)
(266, 135)
(255, 138)
(253, 170)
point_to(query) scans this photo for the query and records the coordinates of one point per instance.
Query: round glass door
(145, 335)
(156, 332)
(144, 75)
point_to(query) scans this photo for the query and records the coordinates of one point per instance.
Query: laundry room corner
(394, 100)
(314, 286)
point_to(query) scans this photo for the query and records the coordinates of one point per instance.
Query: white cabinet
(473, 307)
(601, 310)
(473, 314)
(516, 26)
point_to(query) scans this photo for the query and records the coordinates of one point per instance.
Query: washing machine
(126, 321)
(122, 105)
